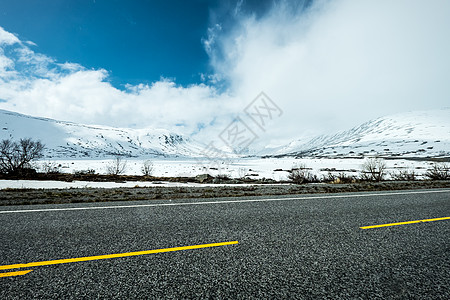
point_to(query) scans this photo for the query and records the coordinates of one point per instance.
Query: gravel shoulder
(85, 195)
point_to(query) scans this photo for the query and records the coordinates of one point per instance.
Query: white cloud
(6, 66)
(30, 43)
(7, 38)
(85, 96)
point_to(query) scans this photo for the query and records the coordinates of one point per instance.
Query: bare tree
(147, 168)
(438, 171)
(16, 157)
(373, 169)
(117, 166)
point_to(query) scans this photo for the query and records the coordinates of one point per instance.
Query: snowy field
(257, 168)
(274, 168)
(50, 184)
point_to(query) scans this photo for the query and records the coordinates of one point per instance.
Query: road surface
(306, 246)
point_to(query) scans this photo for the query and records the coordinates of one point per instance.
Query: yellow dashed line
(98, 257)
(404, 223)
(18, 273)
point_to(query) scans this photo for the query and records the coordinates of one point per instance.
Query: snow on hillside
(412, 134)
(71, 140)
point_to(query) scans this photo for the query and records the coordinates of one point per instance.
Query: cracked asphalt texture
(298, 249)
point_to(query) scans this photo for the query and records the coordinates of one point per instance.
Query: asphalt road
(310, 247)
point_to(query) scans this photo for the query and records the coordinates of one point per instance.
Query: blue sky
(193, 66)
(137, 41)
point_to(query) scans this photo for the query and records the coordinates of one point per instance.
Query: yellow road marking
(18, 273)
(98, 257)
(404, 223)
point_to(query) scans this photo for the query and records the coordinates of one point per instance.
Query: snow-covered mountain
(412, 134)
(71, 140)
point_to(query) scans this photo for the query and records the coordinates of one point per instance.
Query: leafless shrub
(222, 177)
(117, 166)
(339, 178)
(301, 174)
(147, 168)
(373, 169)
(330, 177)
(84, 172)
(51, 168)
(404, 175)
(439, 171)
(16, 157)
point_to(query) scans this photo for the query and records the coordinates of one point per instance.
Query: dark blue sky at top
(136, 41)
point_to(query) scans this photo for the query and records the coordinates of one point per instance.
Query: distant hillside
(415, 134)
(71, 140)
(412, 134)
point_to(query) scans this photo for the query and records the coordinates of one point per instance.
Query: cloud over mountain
(334, 64)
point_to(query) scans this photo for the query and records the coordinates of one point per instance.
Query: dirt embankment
(84, 195)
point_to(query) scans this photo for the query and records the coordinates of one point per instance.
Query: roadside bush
(84, 172)
(147, 168)
(118, 166)
(221, 178)
(404, 175)
(16, 157)
(439, 171)
(339, 178)
(301, 174)
(330, 177)
(373, 169)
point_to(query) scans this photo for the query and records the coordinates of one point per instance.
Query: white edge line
(219, 202)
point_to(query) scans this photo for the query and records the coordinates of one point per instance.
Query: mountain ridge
(411, 134)
(72, 140)
(423, 134)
